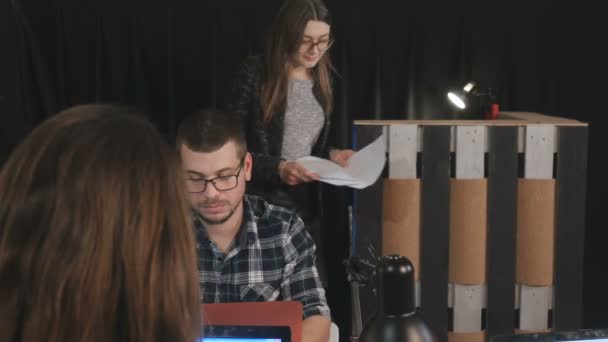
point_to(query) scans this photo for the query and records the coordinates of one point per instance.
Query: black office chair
(591, 335)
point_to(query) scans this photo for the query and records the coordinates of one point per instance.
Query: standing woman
(285, 99)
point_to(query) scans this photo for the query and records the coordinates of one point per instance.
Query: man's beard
(220, 220)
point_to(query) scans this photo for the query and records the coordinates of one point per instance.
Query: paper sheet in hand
(364, 166)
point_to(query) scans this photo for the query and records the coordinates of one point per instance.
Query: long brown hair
(95, 239)
(282, 44)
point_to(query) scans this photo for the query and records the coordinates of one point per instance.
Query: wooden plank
(435, 227)
(469, 300)
(489, 123)
(467, 337)
(401, 222)
(506, 119)
(535, 232)
(468, 303)
(470, 148)
(531, 117)
(539, 150)
(534, 307)
(402, 151)
(403, 146)
(367, 221)
(570, 227)
(502, 213)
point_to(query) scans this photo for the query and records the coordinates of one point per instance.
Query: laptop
(243, 333)
(584, 335)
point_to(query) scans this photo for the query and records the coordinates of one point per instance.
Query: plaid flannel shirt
(272, 258)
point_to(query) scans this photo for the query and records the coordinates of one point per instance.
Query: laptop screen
(239, 333)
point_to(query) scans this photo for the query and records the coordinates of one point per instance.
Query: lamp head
(459, 98)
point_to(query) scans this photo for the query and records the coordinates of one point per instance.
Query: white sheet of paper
(364, 166)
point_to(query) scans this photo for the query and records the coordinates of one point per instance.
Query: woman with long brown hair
(95, 239)
(285, 99)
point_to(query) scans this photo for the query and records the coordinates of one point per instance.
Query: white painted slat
(468, 300)
(534, 307)
(402, 151)
(470, 151)
(535, 301)
(539, 148)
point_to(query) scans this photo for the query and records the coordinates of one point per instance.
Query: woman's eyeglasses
(322, 45)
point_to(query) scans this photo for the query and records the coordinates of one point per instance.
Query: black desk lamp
(396, 319)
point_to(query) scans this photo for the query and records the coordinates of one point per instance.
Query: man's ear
(248, 166)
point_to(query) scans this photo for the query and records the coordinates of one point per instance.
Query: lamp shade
(460, 98)
(396, 319)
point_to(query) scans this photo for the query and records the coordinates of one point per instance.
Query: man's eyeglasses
(322, 45)
(221, 183)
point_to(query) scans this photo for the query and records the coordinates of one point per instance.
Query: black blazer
(265, 141)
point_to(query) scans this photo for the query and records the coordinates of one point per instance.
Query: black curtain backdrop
(395, 60)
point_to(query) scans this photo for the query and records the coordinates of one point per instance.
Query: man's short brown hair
(208, 130)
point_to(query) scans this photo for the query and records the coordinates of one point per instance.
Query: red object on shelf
(492, 113)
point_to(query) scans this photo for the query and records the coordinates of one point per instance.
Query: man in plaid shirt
(248, 250)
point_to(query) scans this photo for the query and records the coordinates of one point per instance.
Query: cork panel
(522, 332)
(401, 220)
(535, 231)
(478, 336)
(468, 211)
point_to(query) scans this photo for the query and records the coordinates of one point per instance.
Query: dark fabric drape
(394, 60)
(12, 118)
